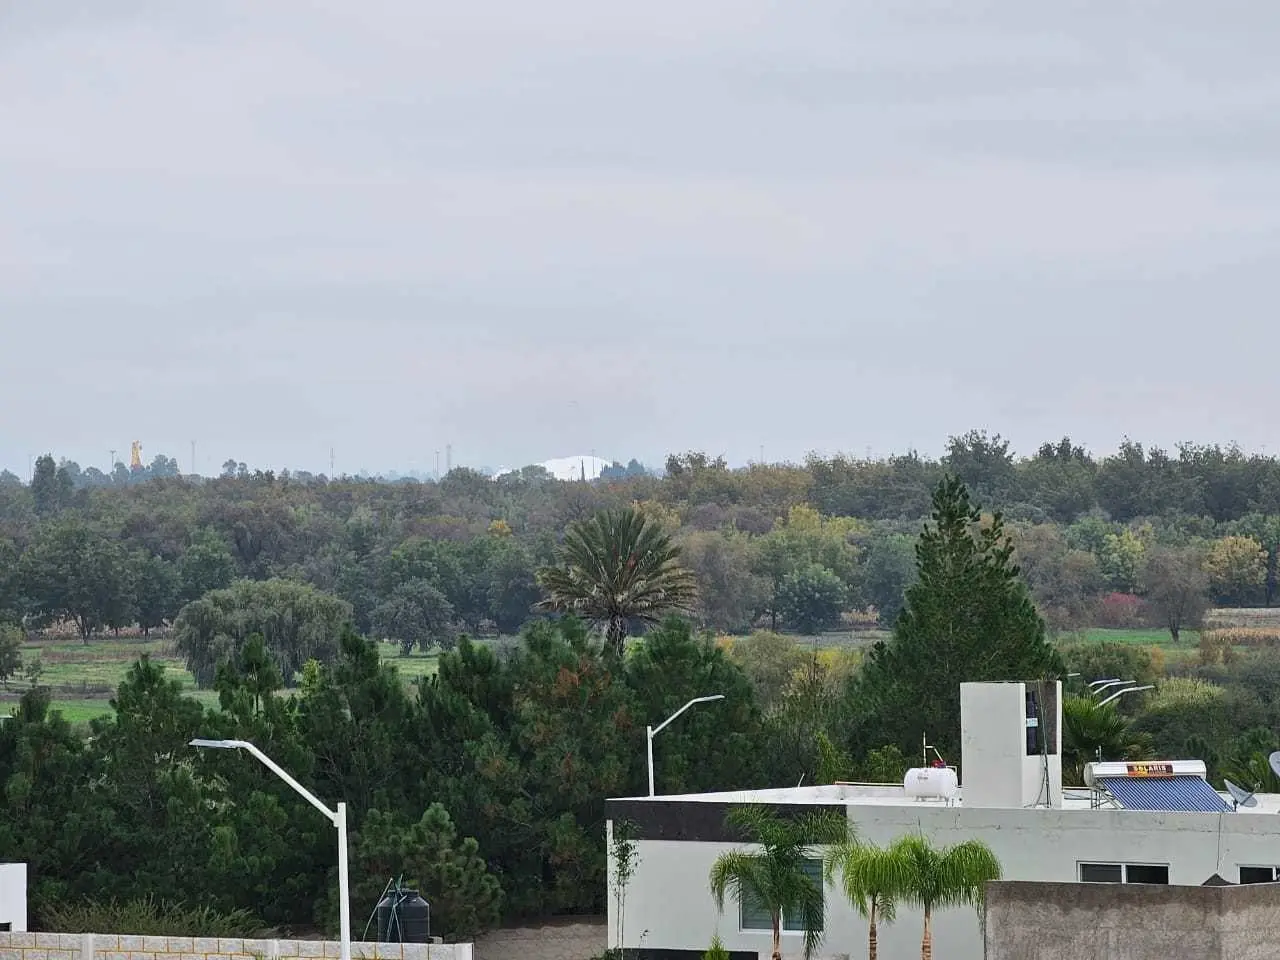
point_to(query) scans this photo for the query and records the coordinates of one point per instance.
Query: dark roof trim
(695, 820)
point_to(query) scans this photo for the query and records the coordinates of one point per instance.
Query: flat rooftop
(894, 795)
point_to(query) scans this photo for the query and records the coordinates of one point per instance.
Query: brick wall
(99, 946)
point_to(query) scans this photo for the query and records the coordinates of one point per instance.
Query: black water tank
(404, 917)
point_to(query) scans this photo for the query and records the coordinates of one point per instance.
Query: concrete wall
(669, 897)
(1058, 921)
(995, 770)
(13, 895)
(580, 940)
(98, 946)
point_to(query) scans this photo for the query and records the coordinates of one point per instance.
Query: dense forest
(802, 548)
(485, 782)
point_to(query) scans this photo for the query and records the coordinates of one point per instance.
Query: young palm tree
(937, 879)
(872, 878)
(1091, 732)
(617, 567)
(773, 877)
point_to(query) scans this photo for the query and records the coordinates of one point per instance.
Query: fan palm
(937, 879)
(1091, 731)
(614, 568)
(773, 877)
(872, 878)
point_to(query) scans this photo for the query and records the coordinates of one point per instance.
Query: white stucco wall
(13, 896)
(669, 904)
(995, 770)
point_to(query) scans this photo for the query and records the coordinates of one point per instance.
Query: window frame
(1124, 871)
(1241, 867)
(814, 869)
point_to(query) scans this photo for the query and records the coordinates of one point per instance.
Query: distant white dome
(570, 468)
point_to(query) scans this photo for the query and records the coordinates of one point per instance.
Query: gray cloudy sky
(273, 226)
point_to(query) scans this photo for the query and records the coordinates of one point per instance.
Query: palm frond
(736, 873)
(776, 876)
(965, 870)
(618, 565)
(806, 903)
(869, 873)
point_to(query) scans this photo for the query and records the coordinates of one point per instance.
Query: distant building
(1144, 823)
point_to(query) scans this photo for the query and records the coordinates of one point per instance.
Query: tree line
(1140, 537)
(485, 783)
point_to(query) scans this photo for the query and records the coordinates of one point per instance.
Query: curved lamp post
(651, 732)
(337, 817)
(1121, 693)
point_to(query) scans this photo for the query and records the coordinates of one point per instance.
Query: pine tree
(969, 617)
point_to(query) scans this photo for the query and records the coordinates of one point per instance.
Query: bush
(1216, 648)
(1125, 661)
(716, 951)
(1120, 611)
(146, 917)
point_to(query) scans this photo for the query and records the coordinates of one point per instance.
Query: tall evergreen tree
(969, 617)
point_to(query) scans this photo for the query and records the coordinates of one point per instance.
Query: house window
(1259, 874)
(1124, 873)
(755, 917)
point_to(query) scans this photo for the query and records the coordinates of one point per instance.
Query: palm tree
(937, 879)
(872, 878)
(773, 877)
(616, 567)
(1091, 731)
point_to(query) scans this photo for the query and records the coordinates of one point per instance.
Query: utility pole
(193, 458)
(437, 466)
(448, 459)
(111, 467)
(331, 462)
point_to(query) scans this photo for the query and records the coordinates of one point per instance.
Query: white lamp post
(651, 732)
(1098, 686)
(1121, 693)
(337, 817)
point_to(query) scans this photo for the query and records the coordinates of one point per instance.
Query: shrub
(146, 917)
(716, 951)
(1215, 648)
(1126, 661)
(1120, 611)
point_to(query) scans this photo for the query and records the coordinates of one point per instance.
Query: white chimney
(1011, 744)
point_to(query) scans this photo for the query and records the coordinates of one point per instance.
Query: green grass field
(84, 677)
(1142, 636)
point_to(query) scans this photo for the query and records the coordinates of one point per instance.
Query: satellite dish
(1240, 797)
(1274, 761)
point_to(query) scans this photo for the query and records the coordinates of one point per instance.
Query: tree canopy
(968, 617)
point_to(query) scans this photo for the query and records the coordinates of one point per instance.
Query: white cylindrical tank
(931, 783)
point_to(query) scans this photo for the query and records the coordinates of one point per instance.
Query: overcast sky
(532, 229)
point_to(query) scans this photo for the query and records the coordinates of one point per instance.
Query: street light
(1099, 685)
(651, 732)
(337, 817)
(1121, 693)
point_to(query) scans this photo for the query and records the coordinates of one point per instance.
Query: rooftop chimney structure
(1011, 744)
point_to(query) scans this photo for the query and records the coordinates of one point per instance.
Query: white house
(1142, 823)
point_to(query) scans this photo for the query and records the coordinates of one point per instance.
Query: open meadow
(83, 677)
